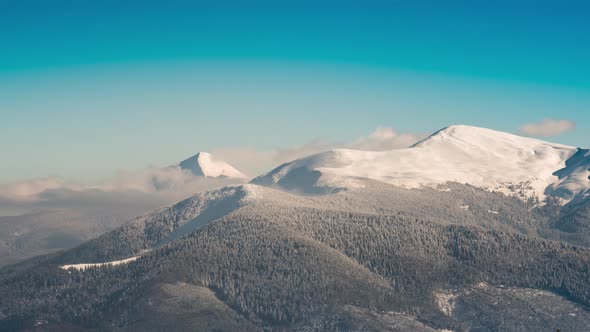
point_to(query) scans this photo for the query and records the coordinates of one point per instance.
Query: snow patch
(446, 302)
(204, 164)
(84, 266)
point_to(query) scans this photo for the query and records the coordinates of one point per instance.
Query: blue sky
(89, 87)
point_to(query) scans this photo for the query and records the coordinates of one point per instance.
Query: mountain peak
(205, 164)
(483, 138)
(485, 158)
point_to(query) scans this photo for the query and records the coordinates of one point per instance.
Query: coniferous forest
(261, 259)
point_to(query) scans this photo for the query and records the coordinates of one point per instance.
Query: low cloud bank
(154, 187)
(150, 188)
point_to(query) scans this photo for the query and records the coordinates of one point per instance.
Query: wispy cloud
(28, 190)
(255, 161)
(156, 186)
(149, 188)
(385, 138)
(147, 181)
(547, 128)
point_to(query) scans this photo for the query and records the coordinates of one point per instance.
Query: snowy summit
(515, 165)
(205, 164)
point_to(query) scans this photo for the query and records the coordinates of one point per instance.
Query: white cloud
(170, 179)
(385, 138)
(147, 181)
(28, 190)
(547, 127)
(149, 188)
(247, 159)
(312, 147)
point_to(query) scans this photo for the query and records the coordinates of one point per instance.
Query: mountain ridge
(517, 166)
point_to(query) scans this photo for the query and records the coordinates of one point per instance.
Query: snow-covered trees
(280, 260)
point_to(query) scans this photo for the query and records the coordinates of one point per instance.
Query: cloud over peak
(255, 161)
(385, 138)
(547, 128)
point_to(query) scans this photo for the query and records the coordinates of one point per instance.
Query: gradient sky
(89, 87)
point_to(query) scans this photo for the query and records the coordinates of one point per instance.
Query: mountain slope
(204, 164)
(484, 158)
(50, 230)
(434, 256)
(375, 258)
(43, 216)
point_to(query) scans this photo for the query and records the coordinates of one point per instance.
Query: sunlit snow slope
(204, 164)
(485, 158)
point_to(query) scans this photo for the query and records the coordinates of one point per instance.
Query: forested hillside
(372, 259)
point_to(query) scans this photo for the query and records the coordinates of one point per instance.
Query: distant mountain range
(468, 230)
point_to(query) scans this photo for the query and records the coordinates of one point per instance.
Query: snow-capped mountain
(485, 158)
(250, 258)
(204, 164)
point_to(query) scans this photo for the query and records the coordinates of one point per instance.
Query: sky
(91, 88)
